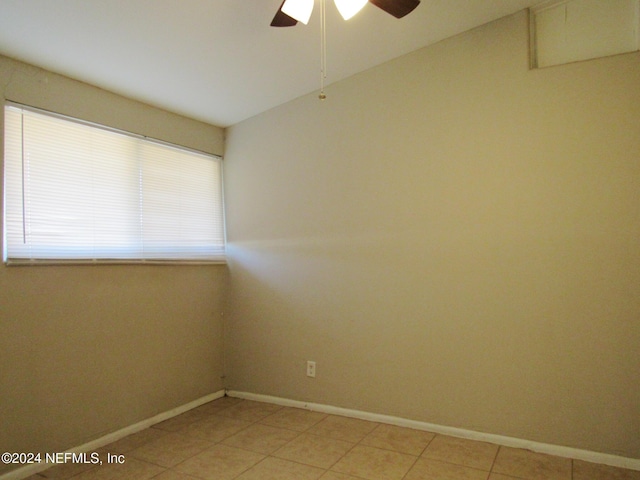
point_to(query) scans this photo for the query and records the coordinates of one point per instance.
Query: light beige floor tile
(215, 428)
(219, 462)
(65, 470)
(343, 428)
(250, 411)
(399, 439)
(461, 451)
(374, 463)
(313, 450)
(131, 442)
(169, 450)
(294, 419)
(132, 469)
(337, 476)
(428, 469)
(278, 469)
(531, 465)
(173, 475)
(180, 421)
(593, 471)
(261, 438)
(216, 406)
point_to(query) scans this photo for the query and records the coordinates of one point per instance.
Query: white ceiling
(219, 60)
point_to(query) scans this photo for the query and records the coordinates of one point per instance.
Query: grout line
(28, 470)
(411, 467)
(493, 464)
(501, 440)
(306, 431)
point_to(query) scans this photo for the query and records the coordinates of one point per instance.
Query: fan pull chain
(323, 50)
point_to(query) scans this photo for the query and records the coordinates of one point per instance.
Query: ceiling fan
(293, 11)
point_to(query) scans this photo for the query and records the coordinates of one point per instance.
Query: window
(80, 192)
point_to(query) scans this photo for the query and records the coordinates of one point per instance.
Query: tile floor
(231, 438)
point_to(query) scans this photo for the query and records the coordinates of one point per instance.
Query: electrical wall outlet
(311, 369)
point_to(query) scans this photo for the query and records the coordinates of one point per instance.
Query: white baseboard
(557, 450)
(93, 445)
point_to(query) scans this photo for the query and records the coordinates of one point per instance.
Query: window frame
(216, 257)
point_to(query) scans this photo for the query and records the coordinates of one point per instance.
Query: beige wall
(87, 350)
(453, 238)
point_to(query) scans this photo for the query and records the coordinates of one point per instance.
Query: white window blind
(80, 192)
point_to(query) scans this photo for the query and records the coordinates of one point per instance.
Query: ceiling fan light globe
(298, 9)
(348, 8)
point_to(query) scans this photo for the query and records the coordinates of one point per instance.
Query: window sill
(44, 263)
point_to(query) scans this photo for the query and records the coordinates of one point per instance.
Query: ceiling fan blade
(348, 8)
(281, 19)
(397, 8)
